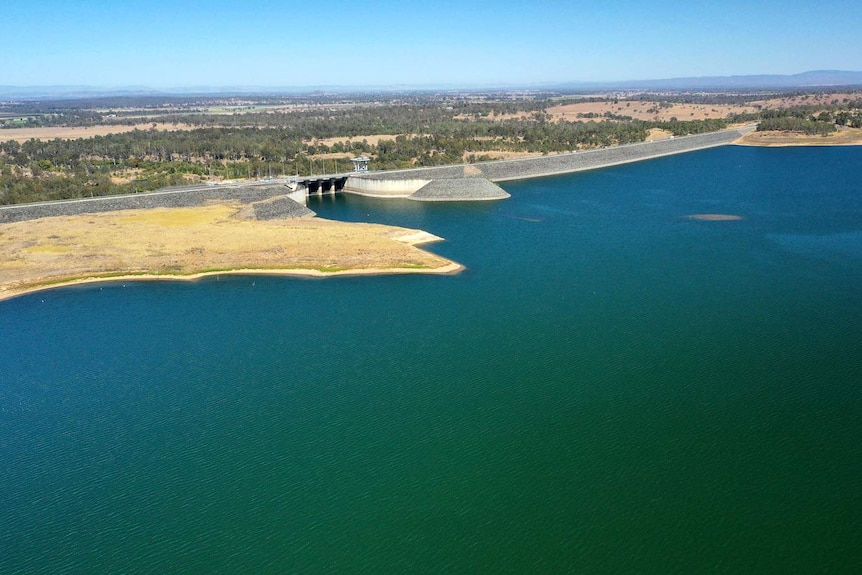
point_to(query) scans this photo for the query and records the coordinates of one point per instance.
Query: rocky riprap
(459, 189)
(179, 198)
(517, 169)
(279, 208)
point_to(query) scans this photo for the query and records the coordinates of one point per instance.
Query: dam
(478, 181)
(452, 183)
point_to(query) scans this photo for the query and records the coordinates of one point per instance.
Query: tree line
(435, 130)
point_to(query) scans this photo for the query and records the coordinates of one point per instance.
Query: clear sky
(182, 43)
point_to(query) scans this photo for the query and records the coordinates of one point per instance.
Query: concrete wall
(379, 188)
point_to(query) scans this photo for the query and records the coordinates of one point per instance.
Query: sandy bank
(191, 243)
(450, 269)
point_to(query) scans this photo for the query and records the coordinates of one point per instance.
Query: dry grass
(641, 110)
(653, 111)
(843, 137)
(807, 100)
(65, 133)
(656, 134)
(185, 242)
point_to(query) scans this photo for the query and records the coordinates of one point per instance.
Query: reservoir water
(609, 387)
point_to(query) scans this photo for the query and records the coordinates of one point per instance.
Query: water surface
(608, 387)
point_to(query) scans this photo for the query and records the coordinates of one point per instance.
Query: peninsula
(187, 243)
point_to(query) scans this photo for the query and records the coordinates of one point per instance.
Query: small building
(360, 164)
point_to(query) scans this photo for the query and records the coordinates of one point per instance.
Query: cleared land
(790, 100)
(186, 243)
(843, 137)
(646, 110)
(664, 111)
(658, 134)
(67, 133)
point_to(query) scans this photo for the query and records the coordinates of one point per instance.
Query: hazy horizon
(162, 46)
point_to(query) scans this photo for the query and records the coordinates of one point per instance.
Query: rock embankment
(518, 169)
(459, 189)
(279, 208)
(179, 198)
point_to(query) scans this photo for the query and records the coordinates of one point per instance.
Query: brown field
(656, 134)
(808, 100)
(333, 156)
(185, 243)
(65, 133)
(843, 137)
(640, 110)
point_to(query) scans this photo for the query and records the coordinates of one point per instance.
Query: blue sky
(180, 43)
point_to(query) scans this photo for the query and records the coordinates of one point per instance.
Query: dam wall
(519, 169)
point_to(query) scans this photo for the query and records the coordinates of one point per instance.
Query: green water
(607, 388)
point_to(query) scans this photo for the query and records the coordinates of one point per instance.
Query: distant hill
(812, 79)
(63, 92)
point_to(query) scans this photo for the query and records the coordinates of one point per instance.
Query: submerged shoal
(188, 243)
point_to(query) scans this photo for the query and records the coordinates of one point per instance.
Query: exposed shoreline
(187, 244)
(449, 269)
(775, 139)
